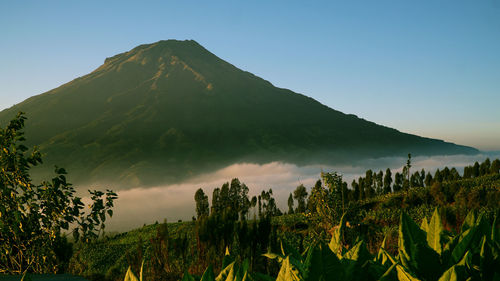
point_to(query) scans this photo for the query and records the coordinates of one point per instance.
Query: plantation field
(376, 221)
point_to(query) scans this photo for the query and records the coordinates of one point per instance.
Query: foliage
(428, 253)
(33, 216)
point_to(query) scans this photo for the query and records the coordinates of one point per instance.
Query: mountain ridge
(168, 110)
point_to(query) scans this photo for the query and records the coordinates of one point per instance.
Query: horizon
(428, 69)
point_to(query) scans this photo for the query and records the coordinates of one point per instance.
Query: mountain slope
(165, 111)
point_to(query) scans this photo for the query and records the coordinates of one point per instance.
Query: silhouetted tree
(202, 208)
(387, 181)
(300, 194)
(290, 204)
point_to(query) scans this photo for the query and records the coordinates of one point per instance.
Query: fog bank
(139, 206)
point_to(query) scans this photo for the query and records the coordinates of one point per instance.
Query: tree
(428, 180)
(216, 201)
(32, 216)
(495, 167)
(290, 204)
(313, 197)
(475, 170)
(380, 185)
(300, 194)
(202, 208)
(484, 168)
(406, 173)
(398, 182)
(368, 182)
(387, 181)
(355, 192)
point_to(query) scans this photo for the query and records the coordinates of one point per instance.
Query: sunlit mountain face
(168, 111)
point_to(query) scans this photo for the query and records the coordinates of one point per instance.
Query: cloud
(139, 206)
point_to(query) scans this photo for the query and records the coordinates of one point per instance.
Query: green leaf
(208, 275)
(273, 256)
(229, 273)
(435, 230)
(487, 261)
(288, 272)
(388, 256)
(337, 238)
(227, 259)
(322, 264)
(380, 255)
(359, 252)
(454, 273)
(465, 242)
(130, 276)
(424, 225)
(414, 252)
(494, 230)
(390, 274)
(354, 259)
(405, 275)
(470, 221)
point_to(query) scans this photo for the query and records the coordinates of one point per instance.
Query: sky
(430, 68)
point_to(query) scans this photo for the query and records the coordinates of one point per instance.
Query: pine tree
(290, 204)
(387, 181)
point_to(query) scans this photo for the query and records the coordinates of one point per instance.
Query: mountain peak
(164, 111)
(159, 48)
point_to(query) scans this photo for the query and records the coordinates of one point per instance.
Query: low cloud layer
(139, 206)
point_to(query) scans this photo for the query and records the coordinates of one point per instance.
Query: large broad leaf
(388, 256)
(414, 252)
(470, 221)
(288, 272)
(495, 237)
(229, 273)
(424, 225)
(322, 264)
(465, 242)
(435, 231)
(455, 273)
(381, 258)
(354, 259)
(390, 274)
(208, 275)
(130, 276)
(337, 238)
(488, 264)
(404, 274)
(274, 256)
(227, 260)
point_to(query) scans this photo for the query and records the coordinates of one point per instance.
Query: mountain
(163, 112)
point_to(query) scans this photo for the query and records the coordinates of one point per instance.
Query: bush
(32, 216)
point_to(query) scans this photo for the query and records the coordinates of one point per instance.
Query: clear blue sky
(426, 67)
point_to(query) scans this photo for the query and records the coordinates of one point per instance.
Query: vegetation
(369, 231)
(195, 246)
(33, 216)
(428, 252)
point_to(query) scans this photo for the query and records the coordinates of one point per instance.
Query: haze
(139, 206)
